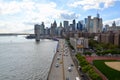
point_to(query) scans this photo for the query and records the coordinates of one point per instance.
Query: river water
(24, 59)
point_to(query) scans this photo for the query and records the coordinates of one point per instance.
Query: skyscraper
(54, 24)
(47, 31)
(53, 29)
(80, 26)
(114, 24)
(66, 25)
(94, 25)
(42, 29)
(73, 26)
(97, 24)
(88, 23)
(59, 30)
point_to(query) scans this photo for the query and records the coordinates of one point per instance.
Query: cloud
(23, 14)
(93, 4)
(27, 14)
(13, 27)
(69, 16)
(9, 8)
(109, 22)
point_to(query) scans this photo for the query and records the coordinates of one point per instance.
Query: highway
(61, 62)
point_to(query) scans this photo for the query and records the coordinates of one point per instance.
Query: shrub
(87, 53)
(87, 68)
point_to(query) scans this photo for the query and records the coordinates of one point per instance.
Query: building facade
(42, 29)
(113, 27)
(79, 44)
(66, 26)
(37, 31)
(110, 37)
(93, 25)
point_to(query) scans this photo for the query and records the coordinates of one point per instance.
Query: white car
(58, 58)
(69, 69)
(77, 78)
(57, 65)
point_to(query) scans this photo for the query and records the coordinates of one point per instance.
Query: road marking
(63, 64)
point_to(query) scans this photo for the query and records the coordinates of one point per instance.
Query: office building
(66, 26)
(53, 31)
(80, 26)
(113, 27)
(42, 29)
(93, 25)
(74, 25)
(60, 30)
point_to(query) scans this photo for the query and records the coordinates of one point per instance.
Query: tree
(87, 53)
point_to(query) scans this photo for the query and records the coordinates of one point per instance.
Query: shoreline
(52, 60)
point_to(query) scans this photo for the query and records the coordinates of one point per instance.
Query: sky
(21, 15)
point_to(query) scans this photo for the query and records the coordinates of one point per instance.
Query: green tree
(87, 53)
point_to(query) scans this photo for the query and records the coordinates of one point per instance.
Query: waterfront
(22, 59)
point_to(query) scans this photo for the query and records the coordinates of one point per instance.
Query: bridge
(12, 34)
(29, 36)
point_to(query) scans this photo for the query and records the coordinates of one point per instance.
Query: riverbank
(53, 60)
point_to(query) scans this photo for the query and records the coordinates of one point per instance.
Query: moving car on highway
(57, 65)
(69, 69)
(77, 78)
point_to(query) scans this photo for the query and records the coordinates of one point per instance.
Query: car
(71, 64)
(66, 54)
(57, 65)
(82, 75)
(67, 78)
(79, 68)
(77, 78)
(69, 69)
(58, 58)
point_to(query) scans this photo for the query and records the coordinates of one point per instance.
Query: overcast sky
(21, 15)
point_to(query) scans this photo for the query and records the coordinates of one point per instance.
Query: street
(61, 62)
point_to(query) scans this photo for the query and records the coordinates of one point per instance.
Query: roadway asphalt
(56, 73)
(61, 72)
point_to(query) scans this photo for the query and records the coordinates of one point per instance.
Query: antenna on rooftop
(98, 14)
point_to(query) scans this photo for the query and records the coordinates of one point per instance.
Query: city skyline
(21, 15)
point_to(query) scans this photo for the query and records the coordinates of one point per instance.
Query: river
(24, 59)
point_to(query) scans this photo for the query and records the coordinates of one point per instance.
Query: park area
(105, 64)
(110, 68)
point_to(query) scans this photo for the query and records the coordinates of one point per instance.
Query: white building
(79, 44)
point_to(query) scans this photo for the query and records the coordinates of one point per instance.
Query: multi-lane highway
(63, 67)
